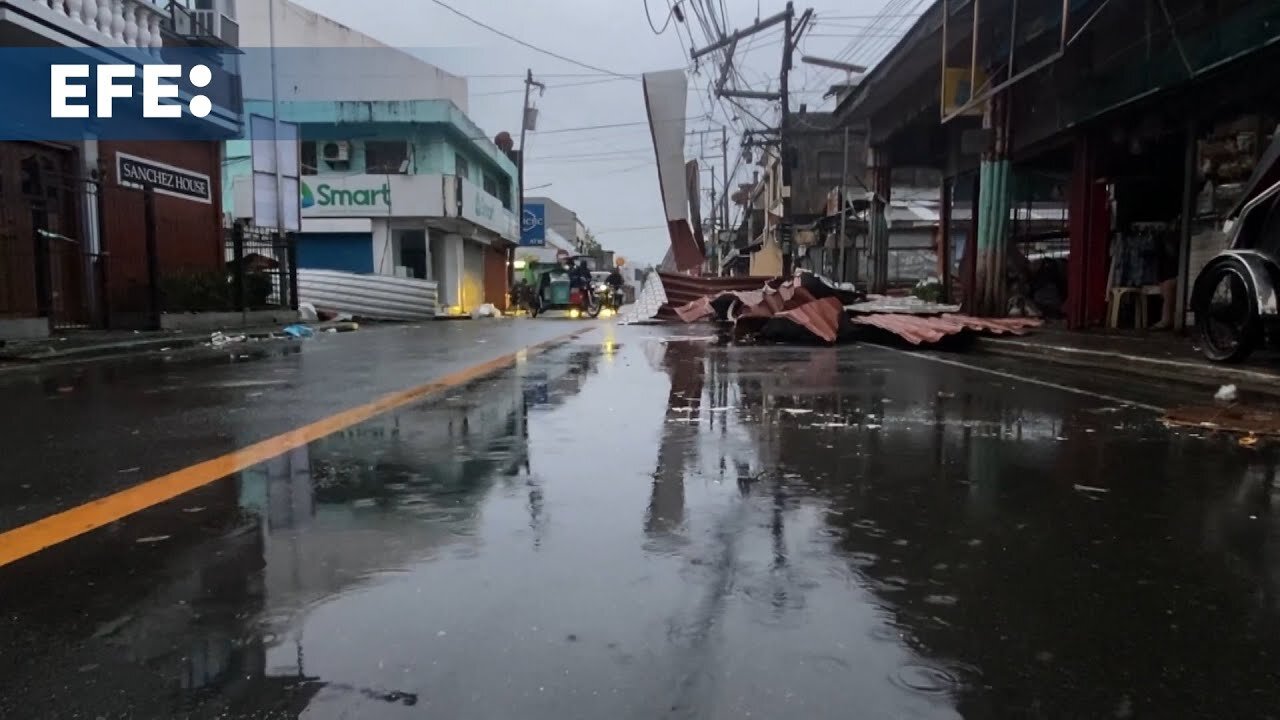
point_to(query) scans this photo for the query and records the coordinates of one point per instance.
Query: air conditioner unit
(337, 151)
(210, 23)
(183, 25)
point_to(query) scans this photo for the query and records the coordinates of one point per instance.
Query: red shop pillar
(1089, 223)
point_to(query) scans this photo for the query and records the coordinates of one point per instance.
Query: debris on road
(810, 307)
(804, 309)
(929, 330)
(1232, 419)
(299, 331)
(1226, 393)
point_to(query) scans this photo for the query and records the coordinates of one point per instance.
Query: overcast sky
(608, 175)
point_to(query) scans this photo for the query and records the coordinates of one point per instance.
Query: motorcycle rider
(615, 283)
(580, 277)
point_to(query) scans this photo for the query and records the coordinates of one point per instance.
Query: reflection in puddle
(657, 529)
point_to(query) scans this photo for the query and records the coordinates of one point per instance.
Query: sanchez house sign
(165, 179)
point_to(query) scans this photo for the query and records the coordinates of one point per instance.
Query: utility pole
(724, 198)
(788, 46)
(844, 179)
(791, 33)
(275, 120)
(715, 244)
(529, 84)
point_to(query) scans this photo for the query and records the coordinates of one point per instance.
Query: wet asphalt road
(641, 524)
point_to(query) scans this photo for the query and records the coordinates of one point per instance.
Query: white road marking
(1023, 378)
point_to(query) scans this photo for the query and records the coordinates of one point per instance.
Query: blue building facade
(405, 188)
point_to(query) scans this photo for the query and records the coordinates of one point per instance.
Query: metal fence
(263, 268)
(47, 270)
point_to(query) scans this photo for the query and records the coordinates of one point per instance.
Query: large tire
(1229, 327)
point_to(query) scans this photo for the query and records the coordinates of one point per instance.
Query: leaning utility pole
(791, 34)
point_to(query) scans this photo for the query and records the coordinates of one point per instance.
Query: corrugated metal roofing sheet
(920, 330)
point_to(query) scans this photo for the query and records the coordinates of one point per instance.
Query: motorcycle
(611, 298)
(1234, 296)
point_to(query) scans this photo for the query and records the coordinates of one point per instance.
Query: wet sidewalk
(1161, 355)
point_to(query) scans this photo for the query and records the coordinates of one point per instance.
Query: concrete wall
(347, 64)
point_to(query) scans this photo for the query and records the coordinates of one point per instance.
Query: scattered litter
(299, 331)
(307, 313)
(331, 330)
(872, 427)
(193, 510)
(485, 310)
(219, 339)
(152, 539)
(1249, 440)
(1226, 393)
(1090, 489)
(796, 411)
(129, 470)
(165, 349)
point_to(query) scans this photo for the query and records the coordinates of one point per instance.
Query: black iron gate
(46, 270)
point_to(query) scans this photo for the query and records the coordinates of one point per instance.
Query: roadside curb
(121, 349)
(1197, 373)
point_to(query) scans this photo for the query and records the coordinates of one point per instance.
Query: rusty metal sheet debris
(1232, 419)
(684, 289)
(804, 309)
(921, 330)
(880, 304)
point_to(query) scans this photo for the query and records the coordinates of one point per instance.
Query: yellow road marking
(47, 532)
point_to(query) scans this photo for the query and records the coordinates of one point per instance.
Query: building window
(830, 166)
(490, 185)
(504, 192)
(461, 167)
(386, 157)
(310, 165)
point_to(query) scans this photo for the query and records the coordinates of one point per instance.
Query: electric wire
(529, 45)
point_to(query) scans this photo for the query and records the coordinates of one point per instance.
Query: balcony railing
(129, 23)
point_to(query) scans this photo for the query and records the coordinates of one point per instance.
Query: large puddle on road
(634, 528)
